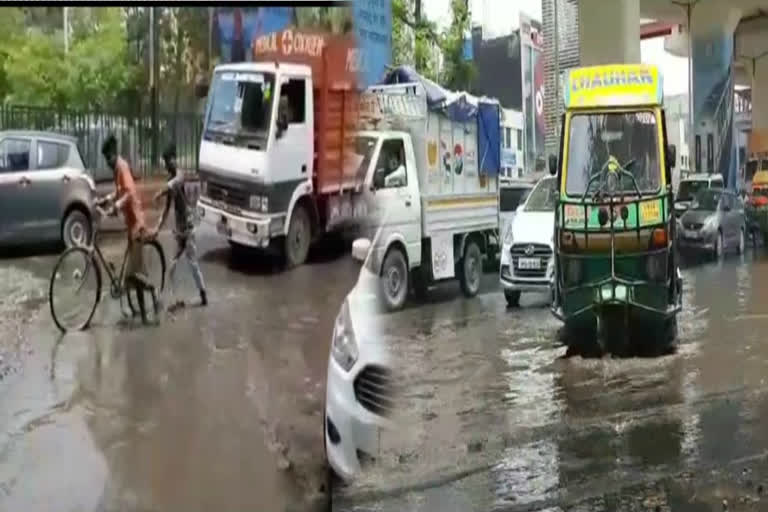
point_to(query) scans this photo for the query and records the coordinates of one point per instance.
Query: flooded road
(217, 408)
(496, 418)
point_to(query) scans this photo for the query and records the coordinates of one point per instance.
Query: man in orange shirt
(126, 199)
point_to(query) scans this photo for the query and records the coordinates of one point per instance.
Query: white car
(527, 262)
(358, 396)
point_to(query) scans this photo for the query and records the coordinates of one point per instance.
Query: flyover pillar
(760, 95)
(609, 32)
(712, 61)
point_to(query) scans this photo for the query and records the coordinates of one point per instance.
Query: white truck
(433, 179)
(277, 161)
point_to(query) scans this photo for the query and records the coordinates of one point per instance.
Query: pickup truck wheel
(513, 298)
(76, 229)
(298, 238)
(470, 269)
(394, 279)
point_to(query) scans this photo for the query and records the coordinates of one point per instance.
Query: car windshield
(512, 197)
(631, 138)
(241, 104)
(707, 200)
(542, 198)
(689, 189)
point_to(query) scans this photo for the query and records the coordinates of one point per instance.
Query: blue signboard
(373, 26)
(237, 28)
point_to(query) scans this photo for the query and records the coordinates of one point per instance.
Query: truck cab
(273, 153)
(256, 149)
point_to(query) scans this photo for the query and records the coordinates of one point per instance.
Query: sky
(500, 17)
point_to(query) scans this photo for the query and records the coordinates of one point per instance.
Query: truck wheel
(298, 238)
(513, 298)
(394, 279)
(470, 269)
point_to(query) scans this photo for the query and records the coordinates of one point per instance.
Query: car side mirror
(360, 249)
(672, 155)
(552, 165)
(282, 125)
(201, 90)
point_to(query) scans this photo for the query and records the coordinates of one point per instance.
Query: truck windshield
(512, 197)
(542, 198)
(631, 138)
(689, 188)
(241, 104)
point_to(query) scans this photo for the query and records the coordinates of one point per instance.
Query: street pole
(66, 30)
(153, 80)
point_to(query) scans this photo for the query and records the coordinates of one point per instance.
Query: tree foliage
(417, 42)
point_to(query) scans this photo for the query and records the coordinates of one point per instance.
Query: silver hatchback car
(46, 194)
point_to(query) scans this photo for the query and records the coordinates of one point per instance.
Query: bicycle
(93, 261)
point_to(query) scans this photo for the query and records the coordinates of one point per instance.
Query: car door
(15, 210)
(50, 182)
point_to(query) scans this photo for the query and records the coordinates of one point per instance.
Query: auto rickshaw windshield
(630, 137)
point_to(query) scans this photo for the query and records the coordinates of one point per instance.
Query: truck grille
(374, 389)
(228, 195)
(540, 251)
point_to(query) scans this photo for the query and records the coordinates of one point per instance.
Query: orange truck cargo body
(333, 61)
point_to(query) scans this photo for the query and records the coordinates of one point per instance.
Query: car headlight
(344, 345)
(508, 238)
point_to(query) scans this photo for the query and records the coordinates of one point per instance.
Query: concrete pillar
(714, 148)
(609, 32)
(760, 95)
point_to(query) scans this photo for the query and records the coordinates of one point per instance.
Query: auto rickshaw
(757, 206)
(618, 286)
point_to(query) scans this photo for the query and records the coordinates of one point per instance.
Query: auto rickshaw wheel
(581, 338)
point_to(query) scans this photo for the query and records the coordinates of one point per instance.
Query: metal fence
(134, 134)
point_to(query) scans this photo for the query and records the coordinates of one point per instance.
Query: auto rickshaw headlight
(659, 238)
(656, 266)
(573, 271)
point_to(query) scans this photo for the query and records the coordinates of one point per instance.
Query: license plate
(529, 263)
(694, 235)
(650, 212)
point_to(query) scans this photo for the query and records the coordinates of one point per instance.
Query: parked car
(691, 185)
(358, 398)
(46, 194)
(527, 264)
(715, 223)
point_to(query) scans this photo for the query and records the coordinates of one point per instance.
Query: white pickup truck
(433, 176)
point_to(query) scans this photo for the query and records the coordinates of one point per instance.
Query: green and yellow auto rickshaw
(618, 287)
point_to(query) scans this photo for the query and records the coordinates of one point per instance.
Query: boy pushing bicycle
(184, 233)
(126, 199)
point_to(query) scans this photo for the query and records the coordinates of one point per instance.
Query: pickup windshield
(631, 138)
(241, 106)
(542, 198)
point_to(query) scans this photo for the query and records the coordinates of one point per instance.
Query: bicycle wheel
(75, 289)
(154, 264)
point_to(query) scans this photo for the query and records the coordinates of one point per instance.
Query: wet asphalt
(216, 408)
(493, 416)
(220, 408)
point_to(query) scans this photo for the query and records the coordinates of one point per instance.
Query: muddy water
(494, 417)
(214, 409)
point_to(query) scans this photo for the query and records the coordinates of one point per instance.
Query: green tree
(11, 35)
(458, 72)
(415, 41)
